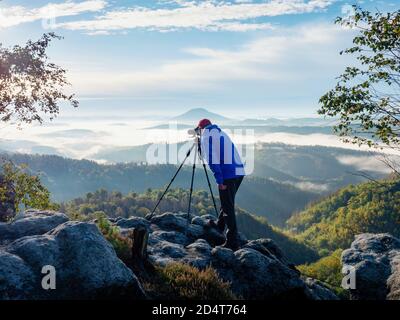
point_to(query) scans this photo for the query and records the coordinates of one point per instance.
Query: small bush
(328, 270)
(20, 190)
(122, 245)
(179, 281)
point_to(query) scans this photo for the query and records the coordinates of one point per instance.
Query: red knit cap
(204, 123)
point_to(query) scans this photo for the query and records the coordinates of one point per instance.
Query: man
(224, 161)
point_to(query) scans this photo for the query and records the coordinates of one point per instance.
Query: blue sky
(239, 58)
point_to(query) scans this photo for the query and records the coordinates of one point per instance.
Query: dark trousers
(227, 215)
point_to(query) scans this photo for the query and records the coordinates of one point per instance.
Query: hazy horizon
(83, 137)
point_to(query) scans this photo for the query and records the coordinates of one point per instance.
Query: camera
(194, 132)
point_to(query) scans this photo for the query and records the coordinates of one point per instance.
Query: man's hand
(222, 187)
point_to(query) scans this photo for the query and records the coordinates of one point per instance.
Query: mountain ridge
(69, 178)
(196, 114)
(332, 223)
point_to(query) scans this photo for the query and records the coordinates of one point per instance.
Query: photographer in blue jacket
(225, 163)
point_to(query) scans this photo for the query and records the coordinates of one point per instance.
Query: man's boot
(232, 242)
(219, 226)
(231, 245)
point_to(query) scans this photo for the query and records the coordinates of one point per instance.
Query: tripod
(198, 153)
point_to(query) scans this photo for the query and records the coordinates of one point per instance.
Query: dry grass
(179, 281)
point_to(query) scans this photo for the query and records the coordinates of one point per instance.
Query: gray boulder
(202, 220)
(213, 236)
(86, 266)
(172, 222)
(162, 252)
(393, 281)
(259, 270)
(17, 279)
(32, 222)
(316, 290)
(200, 246)
(268, 248)
(170, 236)
(184, 215)
(258, 276)
(133, 222)
(375, 259)
(167, 249)
(178, 223)
(223, 258)
(197, 254)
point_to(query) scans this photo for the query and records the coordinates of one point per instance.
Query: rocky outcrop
(258, 270)
(316, 290)
(376, 262)
(193, 227)
(86, 264)
(30, 223)
(133, 222)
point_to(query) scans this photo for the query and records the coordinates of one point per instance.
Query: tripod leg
(172, 180)
(191, 186)
(208, 179)
(211, 192)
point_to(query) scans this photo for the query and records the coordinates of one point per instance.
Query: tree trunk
(139, 237)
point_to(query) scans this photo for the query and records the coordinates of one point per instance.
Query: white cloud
(372, 163)
(203, 15)
(266, 60)
(99, 33)
(243, 1)
(15, 15)
(210, 15)
(313, 187)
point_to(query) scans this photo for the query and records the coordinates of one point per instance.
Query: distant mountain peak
(196, 114)
(198, 110)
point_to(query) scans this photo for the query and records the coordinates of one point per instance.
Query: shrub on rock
(177, 281)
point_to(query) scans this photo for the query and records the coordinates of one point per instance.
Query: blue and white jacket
(221, 154)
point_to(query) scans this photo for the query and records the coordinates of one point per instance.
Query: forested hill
(115, 204)
(372, 207)
(69, 178)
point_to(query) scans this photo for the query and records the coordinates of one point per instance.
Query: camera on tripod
(196, 132)
(196, 146)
